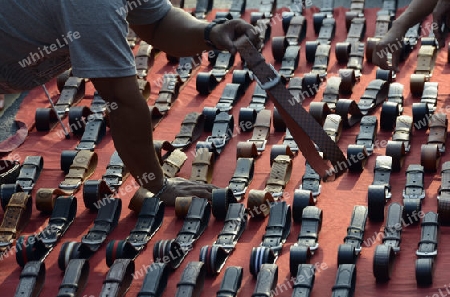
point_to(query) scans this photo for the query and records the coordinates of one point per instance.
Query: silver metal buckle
(259, 149)
(425, 254)
(240, 193)
(315, 194)
(421, 196)
(358, 250)
(272, 82)
(222, 139)
(70, 187)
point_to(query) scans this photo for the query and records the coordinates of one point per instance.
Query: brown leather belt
(168, 92)
(191, 129)
(300, 123)
(258, 203)
(426, 59)
(430, 156)
(17, 214)
(280, 174)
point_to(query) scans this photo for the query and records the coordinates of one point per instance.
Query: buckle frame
(272, 82)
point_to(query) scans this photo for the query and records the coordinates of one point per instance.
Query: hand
(223, 35)
(441, 14)
(388, 50)
(179, 187)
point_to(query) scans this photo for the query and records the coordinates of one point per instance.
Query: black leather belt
(438, 130)
(427, 250)
(236, 10)
(266, 10)
(192, 280)
(266, 280)
(410, 39)
(207, 81)
(414, 192)
(194, 225)
(345, 281)
(149, 221)
(367, 133)
(230, 95)
(349, 111)
(310, 181)
(242, 177)
(93, 133)
(380, 189)
(374, 94)
(307, 240)
(220, 201)
(348, 80)
(426, 107)
(75, 278)
(142, 59)
(216, 255)
(350, 249)
(351, 51)
(321, 59)
(391, 109)
(289, 62)
(289, 141)
(118, 279)
(443, 197)
(356, 10)
(396, 150)
(185, 67)
(96, 190)
(403, 131)
(222, 131)
(304, 280)
(155, 281)
(37, 247)
(326, 30)
(257, 103)
(384, 256)
(231, 282)
(277, 230)
(32, 279)
(105, 222)
(382, 26)
(326, 12)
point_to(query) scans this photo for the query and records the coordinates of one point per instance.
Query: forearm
(415, 13)
(178, 34)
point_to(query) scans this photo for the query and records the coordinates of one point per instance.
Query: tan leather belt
(261, 129)
(203, 166)
(301, 125)
(17, 215)
(333, 126)
(168, 92)
(426, 59)
(173, 163)
(280, 174)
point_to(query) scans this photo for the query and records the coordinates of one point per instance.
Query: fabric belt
(75, 278)
(427, 250)
(192, 280)
(118, 279)
(32, 279)
(155, 281)
(216, 255)
(350, 249)
(297, 119)
(307, 240)
(277, 230)
(148, 223)
(194, 225)
(231, 282)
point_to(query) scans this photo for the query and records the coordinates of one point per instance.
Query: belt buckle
(425, 254)
(277, 194)
(186, 246)
(222, 139)
(259, 149)
(181, 145)
(49, 241)
(228, 247)
(70, 187)
(358, 250)
(240, 193)
(315, 194)
(421, 196)
(5, 244)
(314, 248)
(272, 82)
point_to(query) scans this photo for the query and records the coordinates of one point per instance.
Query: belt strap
(173, 163)
(425, 60)
(349, 112)
(194, 225)
(427, 251)
(168, 92)
(438, 130)
(310, 181)
(367, 132)
(259, 99)
(242, 177)
(82, 166)
(266, 280)
(333, 126)
(142, 59)
(296, 118)
(222, 131)
(191, 129)
(231, 282)
(216, 255)
(395, 94)
(32, 280)
(192, 280)
(331, 92)
(444, 195)
(203, 166)
(374, 94)
(9, 171)
(348, 252)
(290, 61)
(261, 129)
(75, 278)
(304, 280)
(277, 230)
(430, 157)
(345, 281)
(17, 215)
(155, 281)
(30, 172)
(73, 91)
(93, 133)
(118, 279)
(280, 173)
(259, 202)
(382, 173)
(202, 8)
(403, 130)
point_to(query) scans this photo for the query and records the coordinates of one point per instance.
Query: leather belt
(356, 10)
(72, 92)
(289, 62)
(403, 130)
(261, 130)
(75, 278)
(78, 166)
(305, 278)
(37, 247)
(132, 38)
(118, 279)
(194, 225)
(351, 46)
(207, 81)
(296, 30)
(321, 59)
(348, 81)
(430, 157)
(191, 129)
(414, 191)
(107, 219)
(242, 177)
(427, 250)
(382, 173)
(231, 282)
(280, 174)
(289, 141)
(258, 203)
(427, 105)
(277, 230)
(216, 255)
(266, 280)
(142, 59)
(95, 190)
(295, 87)
(367, 133)
(438, 130)
(307, 241)
(375, 93)
(325, 27)
(333, 126)
(230, 95)
(93, 133)
(310, 182)
(297, 119)
(186, 66)
(443, 208)
(9, 171)
(350, 249)
(331, 93)
(202, 8)
(222, 132)
(382, 26)
(257, 103)
(168, 92)
(266, 10)
(391, 109)
(192, 280)
(311, 83)
(173, 163)
(220, 201)
(425, 64)
(17, 215)
(236, 10)
(384, 256)
(148, 223)
(396, 150)
(345, 281)
(155, 281)
(349, 112)
(32, 279)
(203, 166)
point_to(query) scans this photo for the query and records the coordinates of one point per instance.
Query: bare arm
(415, 13)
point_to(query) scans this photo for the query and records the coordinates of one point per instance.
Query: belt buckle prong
(272, 81)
